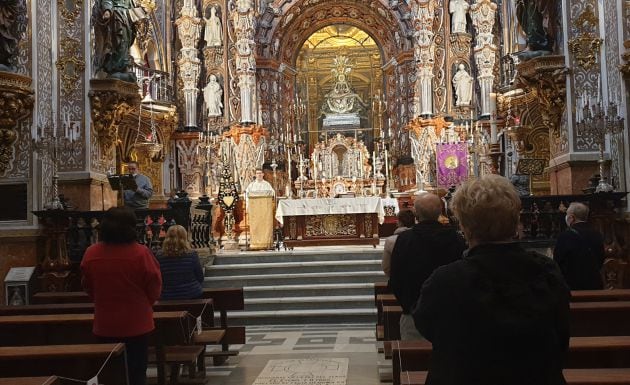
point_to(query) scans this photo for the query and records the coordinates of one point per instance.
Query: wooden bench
(171, 329)
(600, 295)
(224, 300)
(52, 380)
(572, 376)
(73, 361)
(584, 352)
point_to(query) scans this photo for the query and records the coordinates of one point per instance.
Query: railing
(155, 83)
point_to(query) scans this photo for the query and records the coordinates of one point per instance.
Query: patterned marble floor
(354, 342)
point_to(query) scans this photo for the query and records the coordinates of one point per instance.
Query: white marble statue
(458, 10)
(212, 95)
(213, 34)
(463, 83)
(244, 5)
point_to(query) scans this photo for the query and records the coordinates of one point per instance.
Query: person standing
(260, 205)
(417, 253)
(406, 220)
(138, 198)
(579, 251)
(123, 280)
(501, 314)
(182, 275)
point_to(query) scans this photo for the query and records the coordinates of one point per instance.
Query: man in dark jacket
(579, 251)
(417, 253)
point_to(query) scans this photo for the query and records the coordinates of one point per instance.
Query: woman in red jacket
(123, 279)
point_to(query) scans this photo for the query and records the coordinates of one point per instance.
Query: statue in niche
(213, 35)
(532, 16)
(341, 99)
(212, 95)
(114, 24)
(462, 82)
(458, 10)
(12, 28)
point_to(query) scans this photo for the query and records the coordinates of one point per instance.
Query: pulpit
(330, 221)
(260, 214)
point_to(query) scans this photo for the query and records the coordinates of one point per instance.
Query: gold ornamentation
(71, 65)
(330, 225)
(70, 9)
(367, 222)
(585, 46)
(16, 103)
(111, 100)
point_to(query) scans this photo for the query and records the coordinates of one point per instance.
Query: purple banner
(452, 164)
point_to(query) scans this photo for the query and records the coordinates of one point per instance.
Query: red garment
(124, 281)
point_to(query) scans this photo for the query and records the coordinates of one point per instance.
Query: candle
(599, 88)
(386, 167)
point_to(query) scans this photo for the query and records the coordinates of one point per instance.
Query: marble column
(189, 31)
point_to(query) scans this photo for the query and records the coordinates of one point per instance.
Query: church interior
(351, 109)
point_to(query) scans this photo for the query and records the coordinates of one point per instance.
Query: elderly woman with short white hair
(501, 314)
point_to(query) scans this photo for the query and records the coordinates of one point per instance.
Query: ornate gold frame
(71, 65)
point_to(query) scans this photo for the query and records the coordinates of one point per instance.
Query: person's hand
(106, 14)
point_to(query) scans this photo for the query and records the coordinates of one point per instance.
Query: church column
(483, 18)
(244, 28)
(189, 30)
(573, 151)
(424, 54)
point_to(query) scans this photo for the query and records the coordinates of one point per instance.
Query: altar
(330, 221)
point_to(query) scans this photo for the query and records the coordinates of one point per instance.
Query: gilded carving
(625, 68)
(16, 102)
(110, 100)
(70, 65)
(70, 9)
(330, 225)
(585, 46)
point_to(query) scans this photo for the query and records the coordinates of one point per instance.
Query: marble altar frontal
(312, 371)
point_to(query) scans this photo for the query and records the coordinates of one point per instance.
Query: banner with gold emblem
(452, 164)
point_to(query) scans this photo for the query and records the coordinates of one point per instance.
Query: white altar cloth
(328, 206)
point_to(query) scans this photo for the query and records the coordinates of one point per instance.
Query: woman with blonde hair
(182, 276)
(500, 315)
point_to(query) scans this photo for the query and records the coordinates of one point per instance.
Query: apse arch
(302, 19)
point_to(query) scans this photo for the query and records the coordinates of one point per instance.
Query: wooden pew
(196, 307)
(584, 352)
(52, 380)
(73, 361)
(572, 376)
(171, 329)
(600, 295)
(224, 300)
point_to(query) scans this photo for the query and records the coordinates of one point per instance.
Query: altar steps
(324, 285)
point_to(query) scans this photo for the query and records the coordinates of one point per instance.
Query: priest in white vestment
(259, 198)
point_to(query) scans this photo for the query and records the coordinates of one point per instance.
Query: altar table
(330, 221)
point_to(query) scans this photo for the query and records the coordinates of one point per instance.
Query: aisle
(300, 350)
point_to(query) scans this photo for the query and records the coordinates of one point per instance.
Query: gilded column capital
(16, 103)
(110, 101)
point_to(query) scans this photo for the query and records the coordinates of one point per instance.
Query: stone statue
(244, 5)
(531, 15)
(462, 81)
(12, 28)
(114, 33)
(213, 35)
(212, 95)
(458, 10)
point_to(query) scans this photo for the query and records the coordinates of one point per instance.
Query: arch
(301, 20)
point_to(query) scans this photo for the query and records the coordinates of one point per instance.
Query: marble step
(291, 267)
(318, 302)
(319, 254)
(294, 278)
(301, 317)
(305, 290)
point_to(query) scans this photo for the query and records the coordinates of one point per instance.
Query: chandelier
(149, 145)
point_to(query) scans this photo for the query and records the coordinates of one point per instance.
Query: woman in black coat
(499, 316)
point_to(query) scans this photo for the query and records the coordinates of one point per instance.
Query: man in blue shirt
(138, 199)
